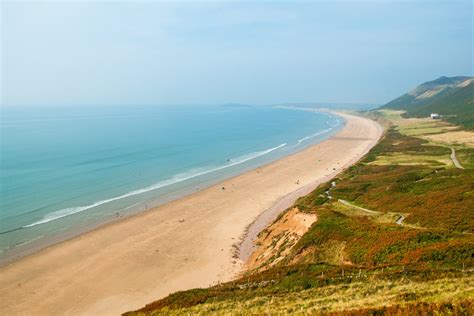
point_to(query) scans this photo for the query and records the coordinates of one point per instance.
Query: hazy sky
(144, 52)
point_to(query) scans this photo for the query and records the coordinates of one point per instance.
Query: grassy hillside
(286, 293)
(425, 92)
(393, 236)
(457, 107)
(451, 97)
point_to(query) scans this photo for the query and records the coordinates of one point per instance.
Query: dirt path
(358, 207)
(455, 160)
(399, 220)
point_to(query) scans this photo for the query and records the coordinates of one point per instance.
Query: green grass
(464, 153)
(393, 116)
(395, 143)
(425, 128)
(411, 159)
(319, 291)
(346, 296)
(465, 156)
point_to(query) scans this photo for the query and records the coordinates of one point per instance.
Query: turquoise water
(68, 167)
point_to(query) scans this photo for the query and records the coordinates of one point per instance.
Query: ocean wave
(175, 179)
(313, 135)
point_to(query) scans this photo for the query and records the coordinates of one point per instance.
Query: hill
(452, 97)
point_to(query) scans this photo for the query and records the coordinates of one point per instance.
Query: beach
(187, 243)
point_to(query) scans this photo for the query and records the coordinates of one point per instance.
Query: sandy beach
(183, 244)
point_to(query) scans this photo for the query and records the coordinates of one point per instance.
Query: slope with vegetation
(453, 98)
(391, 235)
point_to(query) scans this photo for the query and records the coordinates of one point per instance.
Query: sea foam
(175, 179)
(313, 135)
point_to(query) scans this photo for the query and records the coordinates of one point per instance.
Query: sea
(66, 169)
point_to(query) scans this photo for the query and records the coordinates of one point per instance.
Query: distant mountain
(452, 97)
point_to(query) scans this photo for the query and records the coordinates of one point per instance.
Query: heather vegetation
(393, 236)
(432, 196)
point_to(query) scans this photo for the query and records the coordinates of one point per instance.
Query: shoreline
(40, 243)
(264, 219)
(183, 244)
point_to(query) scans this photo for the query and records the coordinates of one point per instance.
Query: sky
(213, 52)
